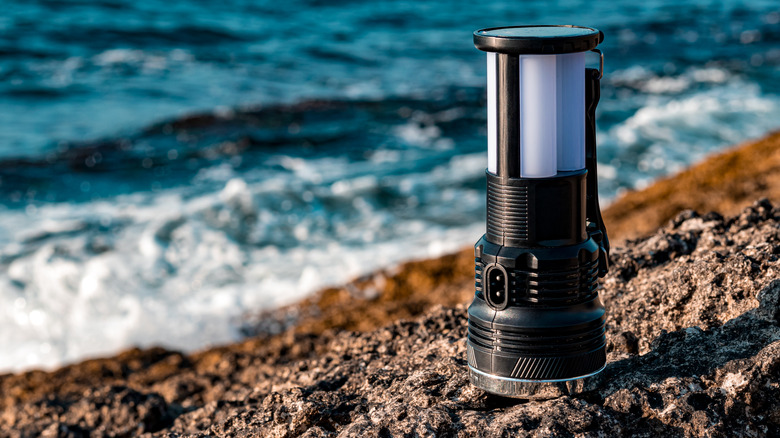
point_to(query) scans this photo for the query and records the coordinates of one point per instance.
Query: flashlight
(536, 325)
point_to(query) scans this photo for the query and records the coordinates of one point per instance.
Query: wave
(181, 271)
(669, 132)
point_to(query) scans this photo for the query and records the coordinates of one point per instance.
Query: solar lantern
(536, 326)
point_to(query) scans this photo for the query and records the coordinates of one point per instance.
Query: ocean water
(169, 168)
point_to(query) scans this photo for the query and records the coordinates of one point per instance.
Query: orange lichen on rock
(726, 183)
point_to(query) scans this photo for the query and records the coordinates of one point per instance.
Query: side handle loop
(601, 62)
(593, 212)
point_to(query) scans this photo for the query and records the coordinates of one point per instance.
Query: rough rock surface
(693, 340)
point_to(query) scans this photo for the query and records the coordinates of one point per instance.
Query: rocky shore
(693, 340)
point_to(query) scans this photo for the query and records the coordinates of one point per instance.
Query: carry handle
(596, 226)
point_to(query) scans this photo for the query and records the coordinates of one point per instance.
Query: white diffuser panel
(538, 114)
(570, 94)
(491, 113)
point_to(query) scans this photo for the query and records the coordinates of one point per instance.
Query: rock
(110, 411)
(693, 339)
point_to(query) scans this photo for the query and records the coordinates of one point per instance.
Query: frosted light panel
(491, 113)
(570, 94)
(538, 115)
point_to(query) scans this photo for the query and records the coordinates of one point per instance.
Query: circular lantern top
(538, 40)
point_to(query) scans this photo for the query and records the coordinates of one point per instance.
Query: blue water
(167, 168)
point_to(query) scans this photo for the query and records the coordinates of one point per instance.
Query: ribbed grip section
(534, 212)
(551, 289)
(531, 342)
(549, 354)
(557, 288)
(548, 368)
(478, 274)
(507, 212)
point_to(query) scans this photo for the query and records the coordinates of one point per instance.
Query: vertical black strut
(508, 112)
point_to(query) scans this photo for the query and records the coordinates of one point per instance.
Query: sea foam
(183, 271)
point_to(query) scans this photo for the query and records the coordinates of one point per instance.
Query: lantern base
(529, 389)
(536, 321)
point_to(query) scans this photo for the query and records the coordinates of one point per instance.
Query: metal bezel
(538, 45)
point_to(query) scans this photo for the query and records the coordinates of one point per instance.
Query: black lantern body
(536, 319)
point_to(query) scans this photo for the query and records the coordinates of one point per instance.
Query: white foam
(649, 82)
(141, 58)
(182, 271)
(416, 134)
(672, 132)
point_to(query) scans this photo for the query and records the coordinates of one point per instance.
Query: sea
(168, 169)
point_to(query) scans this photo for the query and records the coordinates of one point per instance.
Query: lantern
(536, 325)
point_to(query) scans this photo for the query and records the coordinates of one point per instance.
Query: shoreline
(726, 183)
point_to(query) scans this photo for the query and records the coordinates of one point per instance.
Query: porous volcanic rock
(694, 350)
